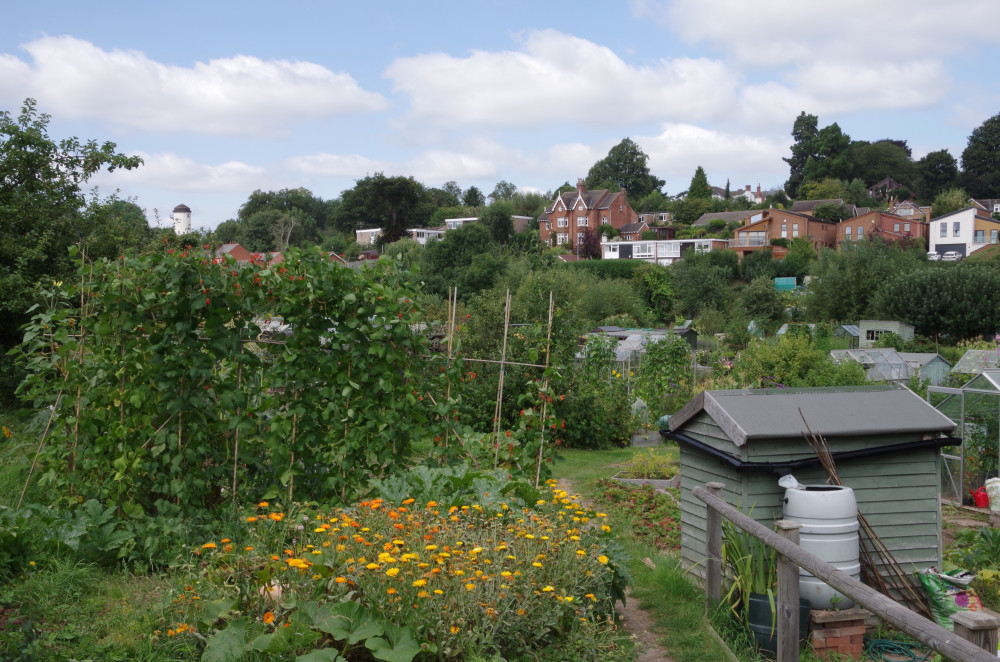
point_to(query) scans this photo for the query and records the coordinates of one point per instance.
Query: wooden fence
(791, 557)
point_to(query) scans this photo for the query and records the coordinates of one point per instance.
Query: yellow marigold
(208, 545)
(423, 594)
(431, 504)
(391, 591)
(277, 517)
(268, 617)
(340, 580)
(605, 528)
(407, 502)
(301, 564)
(438, 591)
(602, 558)
(455, 629)
(547, 589)
(580, 552)
(251, 519)
(537, 564)
(469, 587)
(392, 572)
(420, 582)
(430, 548)
(263, 504)
(372, 566)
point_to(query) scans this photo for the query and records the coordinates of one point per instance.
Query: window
(956, 228)
(895, 227)
(996, 207)
(906, 227)
(562, 222)
(847, 233)
(604, 219)
(784, 231)
(873, 334)
(562, 238)
(979, 237)
(906, 211)
(860, 232)
(993, 236)
(795, 229)
(613, 248)
(944, 229)
(582, 221)
(580, 206)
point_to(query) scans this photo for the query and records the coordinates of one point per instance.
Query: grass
(665, 591)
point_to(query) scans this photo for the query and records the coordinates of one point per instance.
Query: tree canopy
(625, 166)
(699, 188)
(981, 160)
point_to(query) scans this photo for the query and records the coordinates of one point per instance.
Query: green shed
(885, 440)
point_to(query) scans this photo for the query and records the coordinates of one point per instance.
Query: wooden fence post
(713, 567)
(788, 596)
(977, 627)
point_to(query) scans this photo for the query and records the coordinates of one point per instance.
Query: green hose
(876, 649)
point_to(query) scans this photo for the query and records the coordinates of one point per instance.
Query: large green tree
(817, 153)
(936, 172)
(497, 217)
(970, 307)
(699, 188)
(378, 201)
(874, 161)
(40, 203)
(981, 160)
(626, 166)
(804, 131)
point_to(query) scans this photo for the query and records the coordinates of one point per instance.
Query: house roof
(630, 228)
(845, 411)
(809, 205)
(975, 212)
(727, 216)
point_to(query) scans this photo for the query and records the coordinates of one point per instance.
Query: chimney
(581, 186)
(748, 188)
(759, 196)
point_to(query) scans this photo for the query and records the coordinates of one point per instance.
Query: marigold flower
(470, 586)
(602, 558)
(392, 572)
(547, 589)
(423, 594)
(431, 504)
(224, 540)
(455, 629)
(438, 591)
(208, 545)
(372, 566)
(262, 504)
(251, 519)
(420, 582)
(391, 591)
(268, 617)
(340, 580)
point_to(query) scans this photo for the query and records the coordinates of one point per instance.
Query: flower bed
(408, 579)
(655, 515)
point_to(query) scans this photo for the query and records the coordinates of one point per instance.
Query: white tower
(182, 219)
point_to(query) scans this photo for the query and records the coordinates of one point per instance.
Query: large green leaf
(231, 644)
(321, 655)
(347, 621)
(400, 647)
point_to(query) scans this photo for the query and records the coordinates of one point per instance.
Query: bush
(416, 578)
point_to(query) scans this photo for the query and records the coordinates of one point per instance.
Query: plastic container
(993, 491)
(828, 515)
(980, 499)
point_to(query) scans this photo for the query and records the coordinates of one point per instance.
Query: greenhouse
(976, 408)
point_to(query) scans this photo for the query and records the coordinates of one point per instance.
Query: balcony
(748, 242)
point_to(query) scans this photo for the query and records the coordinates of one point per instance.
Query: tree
(981, 160)
(452, 188)
(971, 307)
(40, 203)
(936, 172)
(463, 258)
(473, 197)
(762, 303)
(832, 212)
(625, 166)
(590, 244)
(111, 227)
(699, 188)
(948, 201)
(828, 188)
(874, 161)
(803, 132)
(497, 217)
(504, 190)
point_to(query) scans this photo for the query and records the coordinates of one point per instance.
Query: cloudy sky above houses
(221, 98)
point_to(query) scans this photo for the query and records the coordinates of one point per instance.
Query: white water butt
(829, 518)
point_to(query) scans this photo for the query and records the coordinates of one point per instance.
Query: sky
(221, 98)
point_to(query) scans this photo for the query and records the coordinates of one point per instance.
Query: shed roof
(843, 411)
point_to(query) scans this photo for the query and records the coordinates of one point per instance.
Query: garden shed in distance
(885, 440)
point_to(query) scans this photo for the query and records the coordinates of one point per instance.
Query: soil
(636, 622)
(954, 519)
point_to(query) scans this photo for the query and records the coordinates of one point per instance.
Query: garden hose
(876, 649)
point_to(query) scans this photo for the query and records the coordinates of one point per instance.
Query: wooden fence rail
(925, 631)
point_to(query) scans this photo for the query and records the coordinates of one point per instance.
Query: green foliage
(792, 361)
(664, 379)
(762, 303)
(948, 201)
(938, 171)
(971, 307)
(702, 281)
(981, 159)
(699, 187)
(40, 204)
(655, 283)
(891, 340)
(828, 188)
(596, 405)
(758, 264)
(832, 212)
(650, 464)
(178, 406)
(845, 282)
(804, 131)
(497, 217)
(463, 258)
(609, 269)
(626, 167)
(473, 197)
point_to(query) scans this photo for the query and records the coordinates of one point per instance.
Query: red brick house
(888, 226)
(574, 212)
(761, 228)
(240, 254)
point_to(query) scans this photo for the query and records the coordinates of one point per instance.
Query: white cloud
(178, 173)
(559, 78)
(679, 149)
(240, 95)
(336, 165)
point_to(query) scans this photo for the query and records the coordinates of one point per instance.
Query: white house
(966, 231)
(423, 235)
(661, 251)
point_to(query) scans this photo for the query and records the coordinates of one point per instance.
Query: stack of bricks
(841, 632)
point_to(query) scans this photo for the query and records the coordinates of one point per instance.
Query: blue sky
(221, 98)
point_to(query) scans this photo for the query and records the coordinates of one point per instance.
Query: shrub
(650, 464)
(410, 576)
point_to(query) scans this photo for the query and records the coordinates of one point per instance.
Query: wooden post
(788, 596)
(713, 567)
(977, 627)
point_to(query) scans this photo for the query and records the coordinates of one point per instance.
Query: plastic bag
(946, 599)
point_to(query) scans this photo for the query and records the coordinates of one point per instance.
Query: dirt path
(636, 622)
